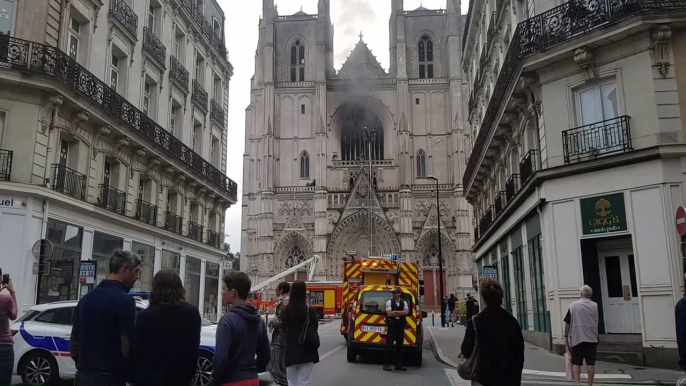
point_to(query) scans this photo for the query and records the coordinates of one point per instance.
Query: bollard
(433, 321)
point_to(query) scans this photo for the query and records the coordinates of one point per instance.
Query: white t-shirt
(390, 308)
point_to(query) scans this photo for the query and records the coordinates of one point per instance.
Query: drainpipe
(44, 227)
(543, 245)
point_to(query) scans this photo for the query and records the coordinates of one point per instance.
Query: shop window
(104, 246)
(520, 288)
(211, 291)
(538, 283)
(193, 280)
(58, 279)
(171, 260)
(147, 256)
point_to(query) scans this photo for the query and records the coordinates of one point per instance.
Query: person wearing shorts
(581, 334)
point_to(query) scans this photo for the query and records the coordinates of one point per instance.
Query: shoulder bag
(468, 368)
(309, 337)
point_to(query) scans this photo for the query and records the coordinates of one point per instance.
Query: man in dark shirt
(469, 305)
(103, 329)
(451, 308)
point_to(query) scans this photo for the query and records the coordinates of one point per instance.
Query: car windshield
(374, 302)
(27, 316)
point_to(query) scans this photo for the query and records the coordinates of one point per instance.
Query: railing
(196, 13)
(529, 165)
(125, 15)
(590, 141)
(173, 222)
(353, 163)
(511, 187)
(199, 95)
(542, 32)
(483, 61)
(154, 46)
(146, 212)
(294, 84)
(500, 203)
(213, 239)
(195, 231)
(49, 62)
(68, 181)
(217, 112)
(178, 73)
(486, 220)
(5, 164)
(112, 199)
(493, 25)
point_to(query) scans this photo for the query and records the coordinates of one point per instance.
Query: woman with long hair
(167, 335)
(300, 324)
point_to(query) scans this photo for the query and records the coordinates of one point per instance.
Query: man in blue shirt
(101, 339)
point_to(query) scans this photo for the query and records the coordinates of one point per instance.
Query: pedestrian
(469, 305)
(101, 338)
(451, 308)
(8, 311)
(167, 335)
(500, 340)
(242, 343)
(397, 310)
(582, 321)
(680, 313)
(277, 365)
(300, 324)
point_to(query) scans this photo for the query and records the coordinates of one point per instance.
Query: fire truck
(367, 285)
(325, 297)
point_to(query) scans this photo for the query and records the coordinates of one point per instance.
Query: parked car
(41, 345)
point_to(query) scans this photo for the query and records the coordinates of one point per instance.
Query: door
(620, 293)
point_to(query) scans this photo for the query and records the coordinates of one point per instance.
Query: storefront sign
(603, 214)
(87, 271)
(490, 271)
(6, 202)
(681, 220)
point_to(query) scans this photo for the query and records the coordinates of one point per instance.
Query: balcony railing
(5, 164)
(542, 32)
(49, 62)
(154, 47)
(173, 222)
(146, 212)
(511, 187)
(500, 202)
(590, 141)
(529, 165)
(178, 73)
(199, 95)
(493, 25)
(214, 240)
(217, 112)
(196, 13)
(486, 221)
(125, 15)
(68, 181)
(195, 231)
(112, 199)
(476, 234)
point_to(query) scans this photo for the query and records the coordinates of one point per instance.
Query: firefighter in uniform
(396, 313)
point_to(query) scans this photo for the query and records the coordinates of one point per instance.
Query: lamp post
(440, 253)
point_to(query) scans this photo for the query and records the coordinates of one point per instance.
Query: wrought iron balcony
(199, 96)
(195, 231)
(124, 15)
(529, 165)
(511, 187)
(493, 25)
(5, 164)
(173, 222)
(50, 63)
(146, 212)
(196, 13)
(112, 199)
(217, 112)
(483, 61)
(178, 73)
(153, 46)
(214, 240)
(68, 181)
(542, 32)
(500, 203)
(591, 141)
(486, 220)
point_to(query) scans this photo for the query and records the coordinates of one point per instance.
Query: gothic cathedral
(338, 161)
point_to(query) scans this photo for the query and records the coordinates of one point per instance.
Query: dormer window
(297, 62)
(426, 58)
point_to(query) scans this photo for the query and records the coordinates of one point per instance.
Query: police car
(41, 344)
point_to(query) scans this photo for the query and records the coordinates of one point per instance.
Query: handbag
(468, 368)
(309, 337)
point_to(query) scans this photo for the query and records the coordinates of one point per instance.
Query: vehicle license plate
(377, 329)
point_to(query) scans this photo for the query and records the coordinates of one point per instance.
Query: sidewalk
(542, 364)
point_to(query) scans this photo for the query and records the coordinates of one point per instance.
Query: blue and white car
(41, 345)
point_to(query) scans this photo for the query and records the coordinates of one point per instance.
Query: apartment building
(577, 117)
(113, 130)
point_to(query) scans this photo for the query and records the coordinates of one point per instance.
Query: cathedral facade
(338, 162)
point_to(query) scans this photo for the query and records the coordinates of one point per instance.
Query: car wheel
(39, 368)
(203, 374)
(352, 354)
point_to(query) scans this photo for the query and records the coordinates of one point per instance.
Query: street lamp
(440, 253)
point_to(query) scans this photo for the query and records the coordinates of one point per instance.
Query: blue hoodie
(241, 336)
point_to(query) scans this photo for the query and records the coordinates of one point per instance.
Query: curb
(437, 351)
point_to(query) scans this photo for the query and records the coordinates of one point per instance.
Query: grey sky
(350, 17)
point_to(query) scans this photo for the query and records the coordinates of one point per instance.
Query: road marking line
(328, 354)
(564, 375)
(455, 379)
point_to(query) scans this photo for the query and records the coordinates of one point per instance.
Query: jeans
(299, 375)
(96, 378)
(6, 365)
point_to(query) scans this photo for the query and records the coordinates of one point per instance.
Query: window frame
(421, 164)
(520, 287)
(425, 57)
(114, 69)
(74, 35)
(304, 165)
(297, 59)
(147, 87)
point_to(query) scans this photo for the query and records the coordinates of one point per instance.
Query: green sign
(603, 214)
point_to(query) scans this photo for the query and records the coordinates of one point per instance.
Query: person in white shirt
(396, 313)
(582, 321)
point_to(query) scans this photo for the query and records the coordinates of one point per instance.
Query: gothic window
(295, 256)
(431, 256)
(304, 165)
(421, 164)
(362, 134)
(426, 58)
(297, 62)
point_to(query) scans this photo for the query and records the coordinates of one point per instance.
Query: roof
(361, 64)
(422, 8)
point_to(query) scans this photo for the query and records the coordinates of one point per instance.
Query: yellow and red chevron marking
(409, 275)
(379, 264)
(380, 320)
(352, 270)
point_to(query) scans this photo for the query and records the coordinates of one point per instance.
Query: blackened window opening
(297, 62)
(359, 127)
(426, 58)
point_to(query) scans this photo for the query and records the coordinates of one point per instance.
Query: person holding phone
(8, 311)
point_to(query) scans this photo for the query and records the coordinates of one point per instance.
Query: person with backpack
(300, 324)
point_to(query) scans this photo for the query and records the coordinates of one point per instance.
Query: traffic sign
(681, 220)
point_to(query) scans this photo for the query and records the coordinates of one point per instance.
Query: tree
(236, 263)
